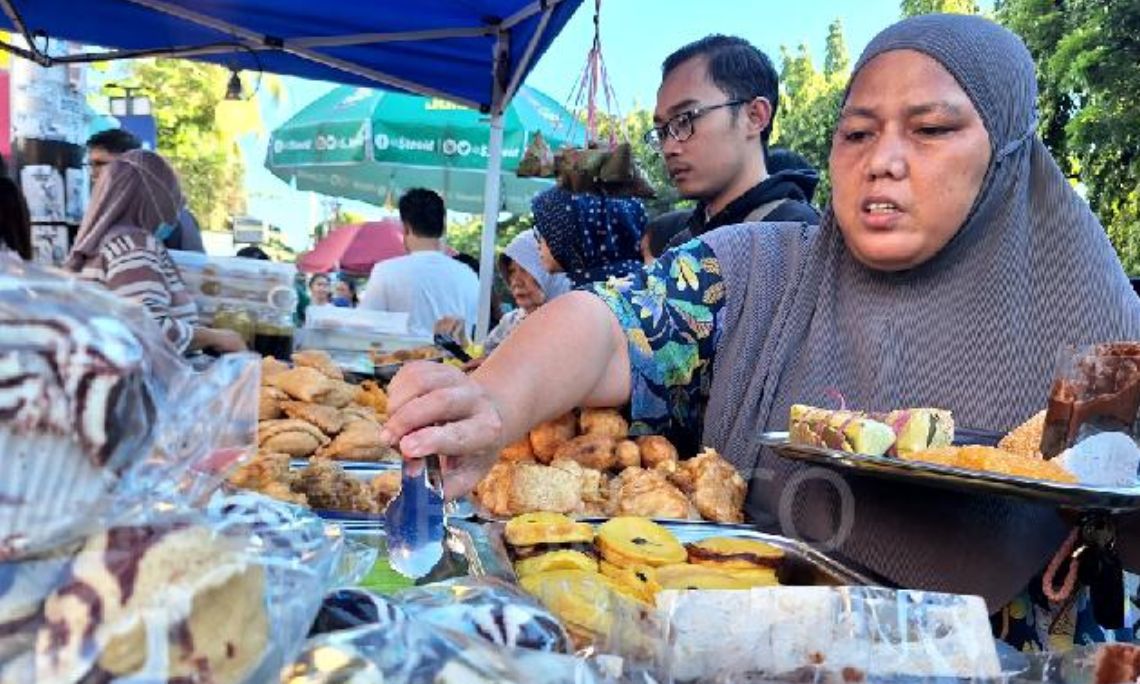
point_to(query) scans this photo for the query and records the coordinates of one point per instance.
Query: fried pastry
(262, 470)
(640, 492)
(358, 441)
(606, 422)
(656, 449)
(370, 394)
(541, 488)
(340, 394)
(328, 486)
(546, 437)
(562, 559)
(628, 454)
(493, 491)
(289, 436)
(271, 367)
(1025, 439)
(326, 418)
(517, 451)
(355, 412)
(386, 486)
(319, 360)
(590, 451)
(633, 541)
(542, 527)
(269, 403)
(714, 487)
(303, 384)
(994, 460)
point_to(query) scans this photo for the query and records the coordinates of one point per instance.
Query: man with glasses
(105, 147)
(715, 108)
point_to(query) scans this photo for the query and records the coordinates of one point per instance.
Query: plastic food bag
(537, 160)
(1095, 389)
(850, 633)
(102, 414)
(224, 595)
(440, 633)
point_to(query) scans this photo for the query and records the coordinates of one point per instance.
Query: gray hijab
(523, 249)
(975, 329)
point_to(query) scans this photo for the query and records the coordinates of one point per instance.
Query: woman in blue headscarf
(590, 238)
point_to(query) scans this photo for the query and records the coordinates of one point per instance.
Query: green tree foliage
(184, 96)
(809, 102)
(912, 8)
(1087, 52)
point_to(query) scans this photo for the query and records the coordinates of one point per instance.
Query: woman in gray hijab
(531, 285)
(954, 260)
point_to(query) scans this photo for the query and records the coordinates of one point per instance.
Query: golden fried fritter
(518, 451)
(655, 449)
(628, 454)
(326, 418)
(1025, 439)
(546, 437)
(318, 360)
(541, 488)
(591, 451)
(605, 421)
(714, 487)
(646, 493)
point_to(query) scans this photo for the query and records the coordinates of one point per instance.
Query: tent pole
(492, 185)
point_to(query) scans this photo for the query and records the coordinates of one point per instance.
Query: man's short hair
(735, 66)
(423, 212)
(114, 140)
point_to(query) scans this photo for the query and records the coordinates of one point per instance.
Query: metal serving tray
(1072, 496)
(801, 566)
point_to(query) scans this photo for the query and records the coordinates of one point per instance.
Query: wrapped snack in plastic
(849, 633)
(404, 650)
(224, 595)
(537, 160)
(1095, 389)
(99, 409)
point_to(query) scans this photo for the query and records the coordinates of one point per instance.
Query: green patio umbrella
(372, 145)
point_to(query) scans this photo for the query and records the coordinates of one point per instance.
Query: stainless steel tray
(1072, 496)
(802, 565)
(468, 550)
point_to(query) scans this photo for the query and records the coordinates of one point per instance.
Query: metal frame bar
(377, 38)
(528, 54)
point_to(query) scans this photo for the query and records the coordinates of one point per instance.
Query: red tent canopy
(355, 248)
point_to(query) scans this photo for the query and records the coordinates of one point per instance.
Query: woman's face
(524, 288)
(343, 291)
(548, 261)
(319, 290)
(907, 161)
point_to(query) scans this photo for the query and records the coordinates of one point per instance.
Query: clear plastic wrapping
(464, 630)
(808, 633)
(221, 594)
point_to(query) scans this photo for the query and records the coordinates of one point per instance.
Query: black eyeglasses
(680, 127)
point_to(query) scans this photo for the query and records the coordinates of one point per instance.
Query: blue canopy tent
(473, 52)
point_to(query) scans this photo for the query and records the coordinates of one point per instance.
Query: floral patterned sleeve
(671, 314)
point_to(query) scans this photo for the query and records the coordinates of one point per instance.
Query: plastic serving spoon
(414, 520)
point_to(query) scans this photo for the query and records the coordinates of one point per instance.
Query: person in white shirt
(426, 283)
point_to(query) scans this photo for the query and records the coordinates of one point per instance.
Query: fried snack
(734, 553)
(647, 493)
(358, 441)
(326, 418)
(1025, 439)
(994, 460)
(271, 367)
(269, 474)
(319, 360)
(386, 486)
(328, 486)
(370, 394)
(546, 437)
(628, 454)
(639, 581)
(590, 451)
(593, 487)
(493, 491)
(518, 451)
(1117, 663)
(340, 395)
(269, 403)
(656, 449)
(714, 487)
(294, 437)
(606, 422)
(633, 541)
(563, 559)
(541, 488)
(542, 527)
(684, 576)
(354, 412)
(303, 384)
